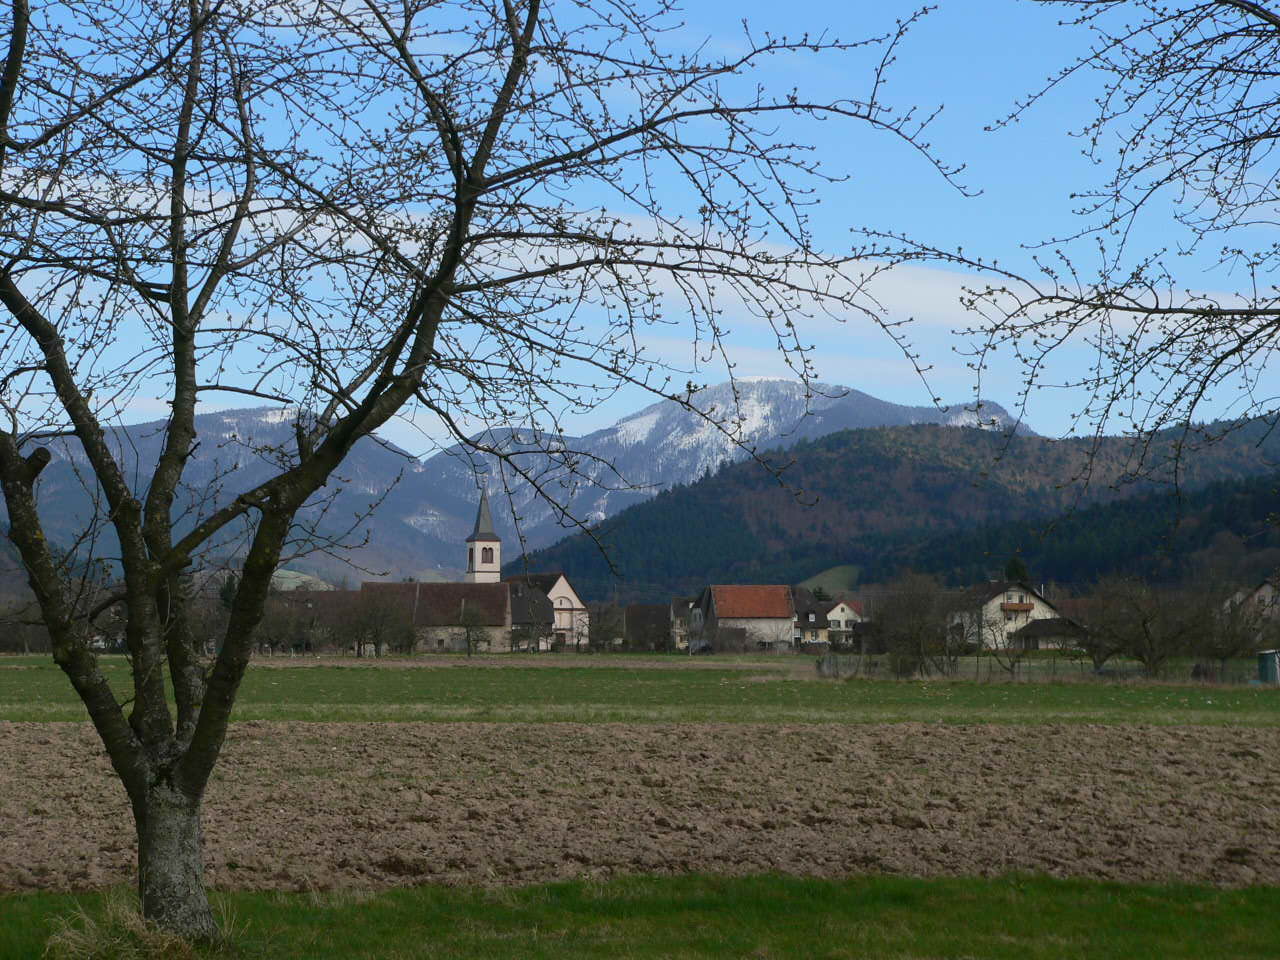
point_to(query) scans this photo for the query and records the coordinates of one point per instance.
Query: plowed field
(363, 805)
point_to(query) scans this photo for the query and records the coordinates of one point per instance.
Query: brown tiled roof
(442, 604)
(770, 601)
(323, 606)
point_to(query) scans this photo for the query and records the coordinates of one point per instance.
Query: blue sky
(974, 59)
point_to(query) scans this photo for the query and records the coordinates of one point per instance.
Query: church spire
(484, 520)
(484, 546)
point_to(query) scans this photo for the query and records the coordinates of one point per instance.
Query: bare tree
(604, 627)
(913, 618)
(472, 211)
(1185, 133)
(1148, 623)
(1234, 627)
(370, 621)
(472, 633)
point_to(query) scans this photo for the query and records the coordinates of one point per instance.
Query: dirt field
(358, 805)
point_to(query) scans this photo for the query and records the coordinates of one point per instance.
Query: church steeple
(484, 546)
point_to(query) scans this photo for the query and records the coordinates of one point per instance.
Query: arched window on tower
(471, 557)
(486, 554)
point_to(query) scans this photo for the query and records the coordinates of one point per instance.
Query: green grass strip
(759, 917)
(35, 690)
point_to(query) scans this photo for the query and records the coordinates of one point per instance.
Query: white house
(842, 616)
(994, 612)
(1265, 596)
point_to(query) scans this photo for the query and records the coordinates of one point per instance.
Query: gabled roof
(985, 592)
(806, 604)
(445, 604)
(759, 602)
(854, 605)
(483, 531)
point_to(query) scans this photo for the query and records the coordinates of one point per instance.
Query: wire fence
(992, 669)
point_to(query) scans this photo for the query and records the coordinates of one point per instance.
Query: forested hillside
(1227, 531)
(951, 500)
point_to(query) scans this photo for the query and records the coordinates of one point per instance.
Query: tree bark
(171, 863)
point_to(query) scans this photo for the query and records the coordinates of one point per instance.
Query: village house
(764, 613)
(990, 615)
(844, 614)
(681, 608)
(811, 623)
(1265, 596)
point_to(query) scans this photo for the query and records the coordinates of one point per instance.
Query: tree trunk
(171, 864)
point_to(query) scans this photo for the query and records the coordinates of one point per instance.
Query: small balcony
(1008, 607)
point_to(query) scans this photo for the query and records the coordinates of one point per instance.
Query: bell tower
(484, 547)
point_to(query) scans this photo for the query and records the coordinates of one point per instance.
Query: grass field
(655, 690)
(756, 917)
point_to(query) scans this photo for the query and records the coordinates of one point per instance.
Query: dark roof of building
(753, 601)
(539, 581)
(1051, 627)
(530, 607)
(811, 613)
(446, 604)
(484, 521)
(321, 605)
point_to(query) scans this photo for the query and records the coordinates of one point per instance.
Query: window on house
(1022, 598)
(834, 623)
(814, 636)
(812, 617)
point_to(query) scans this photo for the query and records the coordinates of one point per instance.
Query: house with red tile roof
(765, 613)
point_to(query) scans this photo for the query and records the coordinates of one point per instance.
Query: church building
(484, 613)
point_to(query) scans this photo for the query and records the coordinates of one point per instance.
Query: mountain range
(405, 517)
